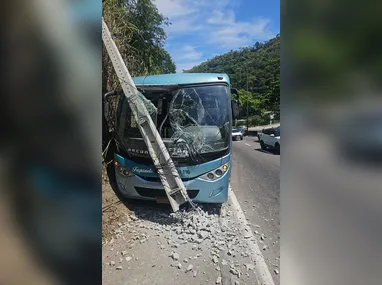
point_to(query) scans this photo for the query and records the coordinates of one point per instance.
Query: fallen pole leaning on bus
(169, 176)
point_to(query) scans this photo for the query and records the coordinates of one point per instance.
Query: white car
(270, 138)
(237, 135)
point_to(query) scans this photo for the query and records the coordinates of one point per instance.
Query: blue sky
(202, 29)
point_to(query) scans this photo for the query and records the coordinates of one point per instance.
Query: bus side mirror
(106, 106)
(235, 109)
(112, 93)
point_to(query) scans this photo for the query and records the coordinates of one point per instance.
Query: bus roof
(181, 78)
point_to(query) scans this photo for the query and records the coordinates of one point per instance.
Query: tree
(137, 28)
(167, 66)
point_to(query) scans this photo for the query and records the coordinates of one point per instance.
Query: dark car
(359, 137)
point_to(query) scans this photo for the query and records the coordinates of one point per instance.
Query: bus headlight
(215, 174)
(125, 172)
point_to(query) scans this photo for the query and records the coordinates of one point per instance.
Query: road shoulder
(207, 247)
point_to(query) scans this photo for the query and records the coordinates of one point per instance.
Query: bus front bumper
(199, 190)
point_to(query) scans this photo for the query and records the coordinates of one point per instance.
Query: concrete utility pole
(168, 174)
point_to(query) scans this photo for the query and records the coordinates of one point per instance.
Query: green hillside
(262, 64)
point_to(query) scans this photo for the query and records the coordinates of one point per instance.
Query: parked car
(237, 135)
(243, 128)
(270, 138)
(359, 136)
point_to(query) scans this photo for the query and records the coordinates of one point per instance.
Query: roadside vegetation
(137, 29)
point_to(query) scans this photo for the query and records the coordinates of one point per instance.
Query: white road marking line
(263, 274)
(247, 144)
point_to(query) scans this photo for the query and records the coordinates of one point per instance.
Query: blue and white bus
(193, 113)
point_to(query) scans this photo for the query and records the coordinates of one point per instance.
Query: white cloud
(185, 56)
(235, 34)
(173, 8)
(189, 52)
(183, 26)
(212, 23)
(186, 66)
(219, 17)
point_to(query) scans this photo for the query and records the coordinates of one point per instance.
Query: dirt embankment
(114, 211)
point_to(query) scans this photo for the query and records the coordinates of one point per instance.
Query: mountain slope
(262, 63)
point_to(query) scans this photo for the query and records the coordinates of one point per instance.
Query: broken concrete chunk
(175, 256)
(276, 272)
(112, 263)
(235, 272)
(189, 268)
(118, 268)
(204, 234)
(249, 266)
(244, 254)
(124, 252)
(195, 273)
(218, 280)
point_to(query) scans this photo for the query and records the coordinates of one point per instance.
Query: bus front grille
(159, 193)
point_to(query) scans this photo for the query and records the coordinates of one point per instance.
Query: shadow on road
(266, 151)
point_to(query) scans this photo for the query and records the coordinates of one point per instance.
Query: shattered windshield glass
(193, 121)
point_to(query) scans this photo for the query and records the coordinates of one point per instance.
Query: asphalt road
(255, 181)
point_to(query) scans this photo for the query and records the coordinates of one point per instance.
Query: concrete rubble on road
(202, 232)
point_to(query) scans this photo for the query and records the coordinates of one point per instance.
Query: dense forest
(259, 67)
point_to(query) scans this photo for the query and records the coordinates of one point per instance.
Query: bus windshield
(193, 121)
